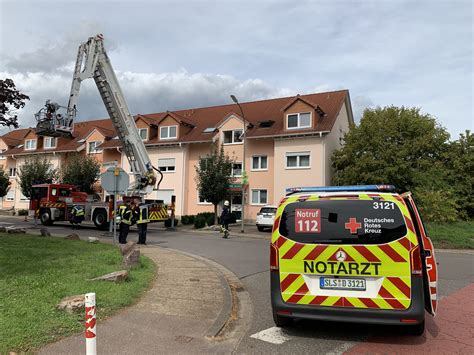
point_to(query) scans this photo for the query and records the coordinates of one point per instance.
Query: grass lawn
(36, 273)
(459, 235)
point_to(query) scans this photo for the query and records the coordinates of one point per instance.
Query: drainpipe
(118, 150)
(324, 158)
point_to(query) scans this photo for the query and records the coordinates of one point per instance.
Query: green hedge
(188, 219)
(168, 222)
(199, 222)
(23, 212)
(210, 220)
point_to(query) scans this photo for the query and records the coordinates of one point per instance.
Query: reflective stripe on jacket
(143, 215)
(78, 211)
(127, 215)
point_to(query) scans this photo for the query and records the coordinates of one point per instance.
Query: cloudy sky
(183, 54)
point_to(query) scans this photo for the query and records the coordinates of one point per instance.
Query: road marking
(272, 335)
(5, 223)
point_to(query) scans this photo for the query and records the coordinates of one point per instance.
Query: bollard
(91, 346)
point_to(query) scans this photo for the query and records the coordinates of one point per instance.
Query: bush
(436, 206)
(210, 220)
(205, 215)
(199, 222)
(23, 212)
(187, 219)
(168, 222)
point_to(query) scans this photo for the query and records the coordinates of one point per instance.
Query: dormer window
(92, 147)
(30, 144)
(49, 142)
(233, 137)
(169, 132)
(143, 132)
(298, 120)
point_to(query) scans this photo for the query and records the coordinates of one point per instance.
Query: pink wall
(191, 206)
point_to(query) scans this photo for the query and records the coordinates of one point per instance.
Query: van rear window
(268, 210)
(343, 222)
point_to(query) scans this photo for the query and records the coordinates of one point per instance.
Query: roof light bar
(365, 188)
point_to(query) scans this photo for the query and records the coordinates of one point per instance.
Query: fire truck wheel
(100, 219)
(45, 217)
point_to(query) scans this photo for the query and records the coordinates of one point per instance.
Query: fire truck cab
(53, 202)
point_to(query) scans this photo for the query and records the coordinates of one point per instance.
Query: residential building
(288, 142)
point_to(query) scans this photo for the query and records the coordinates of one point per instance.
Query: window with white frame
(236, 169)
(10, 195)
(12, 172)
(298, 120)
(203, 201)
(2, 157)
(259, 197)
(259, 162)
(143, 132)
(49, 142)
(167, 165)
(30, 144)
(92, 147)
(168, 132)
(233, 137)
(298, 160)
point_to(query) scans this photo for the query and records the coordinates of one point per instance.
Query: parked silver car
(266, 217)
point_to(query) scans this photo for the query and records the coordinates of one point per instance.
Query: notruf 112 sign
(307, 220)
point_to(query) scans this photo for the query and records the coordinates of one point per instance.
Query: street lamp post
(243, 164)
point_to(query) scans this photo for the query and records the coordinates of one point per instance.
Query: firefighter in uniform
(126, 216)
(141, 217)
(77, 216)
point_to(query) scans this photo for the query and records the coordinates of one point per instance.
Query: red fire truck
(53, 202)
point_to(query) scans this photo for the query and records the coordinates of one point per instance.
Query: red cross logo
(353, 225)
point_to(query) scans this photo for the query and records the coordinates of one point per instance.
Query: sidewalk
(188, 304)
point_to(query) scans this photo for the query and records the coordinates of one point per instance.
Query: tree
(82, 171)
(35, 170)
(11, 99)
(4, 183)
(459, 164)
(213, 177)
(403, 147)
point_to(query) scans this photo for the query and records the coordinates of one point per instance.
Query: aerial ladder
(57, 121)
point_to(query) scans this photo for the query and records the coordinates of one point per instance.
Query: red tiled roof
(255, 111)
(81, 130)
(13, 138)
(206, 117)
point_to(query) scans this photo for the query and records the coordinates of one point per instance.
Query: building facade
(288, 142)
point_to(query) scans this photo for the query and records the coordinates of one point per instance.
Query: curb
(232, 235)
(455, 251)
(237, 299)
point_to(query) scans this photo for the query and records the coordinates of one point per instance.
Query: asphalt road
(248, 259)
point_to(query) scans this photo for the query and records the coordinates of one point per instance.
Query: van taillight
(273, 258)
(416, 266)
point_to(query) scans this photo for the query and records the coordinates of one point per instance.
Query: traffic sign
(115, 180)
